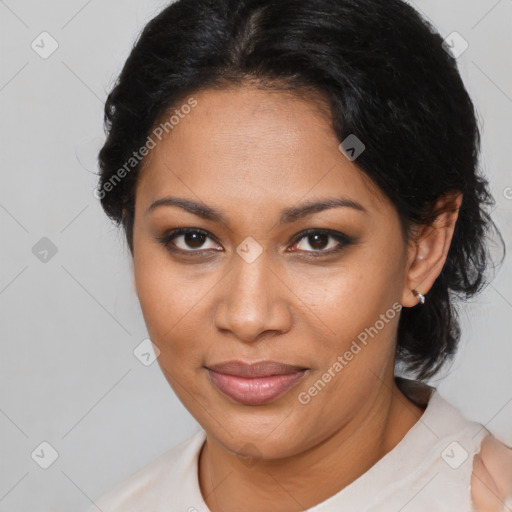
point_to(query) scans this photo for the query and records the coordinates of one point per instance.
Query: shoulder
(488, 465)
(491, 480)
(171, 473)
(443, 444)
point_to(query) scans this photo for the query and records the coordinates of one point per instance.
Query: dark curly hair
(385, 77)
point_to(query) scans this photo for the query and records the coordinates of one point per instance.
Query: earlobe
(428, 250)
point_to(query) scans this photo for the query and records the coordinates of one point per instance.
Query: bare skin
(250, 154)
(491, 481)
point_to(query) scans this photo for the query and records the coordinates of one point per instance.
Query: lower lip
(254, 390)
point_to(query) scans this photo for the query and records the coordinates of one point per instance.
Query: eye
(187, 240)
(318, 240)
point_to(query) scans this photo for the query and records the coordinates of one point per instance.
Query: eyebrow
(288, 215)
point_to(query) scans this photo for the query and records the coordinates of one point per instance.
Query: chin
(255, 432)
(257, 447)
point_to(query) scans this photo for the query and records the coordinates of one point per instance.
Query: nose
(252, 301)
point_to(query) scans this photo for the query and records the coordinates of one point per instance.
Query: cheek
(353, 315)
(173, 305)
(346, 300)
(158, 287)
(168, 309)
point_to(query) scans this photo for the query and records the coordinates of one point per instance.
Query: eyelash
(343, 239)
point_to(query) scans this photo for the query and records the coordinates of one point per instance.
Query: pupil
(196, 241)
(316, 244)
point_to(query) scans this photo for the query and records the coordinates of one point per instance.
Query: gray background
(69, 325)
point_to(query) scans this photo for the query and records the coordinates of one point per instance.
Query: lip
(254, 383)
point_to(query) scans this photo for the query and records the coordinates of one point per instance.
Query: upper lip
(258, 369)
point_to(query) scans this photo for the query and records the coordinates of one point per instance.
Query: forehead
(244, 147)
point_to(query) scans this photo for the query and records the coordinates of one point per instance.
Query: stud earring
(421, 297)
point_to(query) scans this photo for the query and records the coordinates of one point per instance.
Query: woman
(298, 184)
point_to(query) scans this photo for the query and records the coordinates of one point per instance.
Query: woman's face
(255, 287)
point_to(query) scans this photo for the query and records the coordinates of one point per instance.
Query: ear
(429, 247)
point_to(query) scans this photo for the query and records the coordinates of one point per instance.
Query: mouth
(256, 383)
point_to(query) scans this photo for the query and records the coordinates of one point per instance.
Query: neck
(310, 477)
